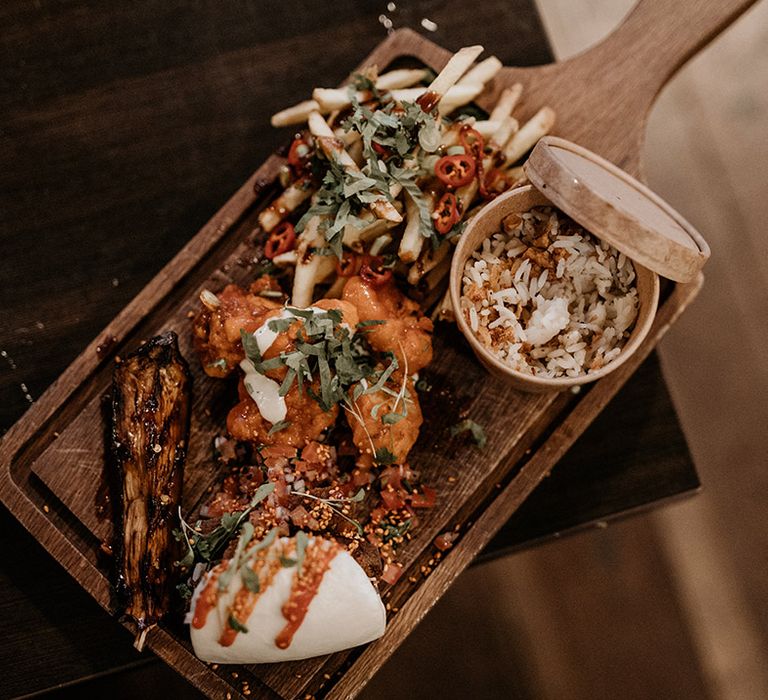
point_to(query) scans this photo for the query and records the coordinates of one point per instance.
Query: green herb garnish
(324, 350)
(392, 532)
(206, 548)
(384, 457)
(408, 132)
(280, 425)
(478, 434)
(236, 625)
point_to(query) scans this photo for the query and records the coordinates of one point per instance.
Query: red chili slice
(455, 171)
(446, 213)
(383, 151)
(472, 140)
(299, 154)
(473, 143)
(281, 240)
(373, 274)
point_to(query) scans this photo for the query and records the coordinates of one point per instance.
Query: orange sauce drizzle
(207, 599)
(245, 600)
(317, 559)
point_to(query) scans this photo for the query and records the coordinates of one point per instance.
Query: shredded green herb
(277, 427)
(384, 457)
(408, 132)
(236, 625)
(326, 350)
(467, 425)
(392, 532)
(206, 548)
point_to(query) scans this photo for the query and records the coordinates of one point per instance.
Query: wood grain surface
(57, 313)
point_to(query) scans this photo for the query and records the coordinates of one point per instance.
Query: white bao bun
(347, 611)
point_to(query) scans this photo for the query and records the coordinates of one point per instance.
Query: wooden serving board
(52, 461)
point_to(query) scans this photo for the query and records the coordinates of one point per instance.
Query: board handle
(658, 36)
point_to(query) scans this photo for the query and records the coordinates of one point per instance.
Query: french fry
(457, 65)
(287, 202)
(412, 240)
(482, 72)
(438, 273)
(540, 124)
(329, 99)
(444, 310)
(507, 128)
(428, 260)
(380, 243)
(287, 259)
(311, 267)
(487, 127)
(507, 102)
(458, 96)
(334, 149)
(356, 237)
(402, 78)
(466, 193)
(297, 114)
(458, 93)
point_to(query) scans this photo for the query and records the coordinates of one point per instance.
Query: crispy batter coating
(217, 332)
(369, 426)
(407, 332)
(307, 419)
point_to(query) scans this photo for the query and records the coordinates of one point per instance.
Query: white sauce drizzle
(265, 393)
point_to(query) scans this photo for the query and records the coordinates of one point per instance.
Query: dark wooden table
(121, 131)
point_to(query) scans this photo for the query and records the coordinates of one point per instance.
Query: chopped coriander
(250, 347)
(384, 457)
(301, 547)
(277, 427)
(392, 418)
(478, 434)
(236, 625)
(250, 579)
(325, 352)
(392, 532)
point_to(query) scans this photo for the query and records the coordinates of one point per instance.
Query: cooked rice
(549, 298)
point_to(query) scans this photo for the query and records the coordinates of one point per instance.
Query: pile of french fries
(392, 224)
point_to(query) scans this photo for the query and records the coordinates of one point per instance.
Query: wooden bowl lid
(617, 208)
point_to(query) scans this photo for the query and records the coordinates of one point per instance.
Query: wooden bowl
(484, 225)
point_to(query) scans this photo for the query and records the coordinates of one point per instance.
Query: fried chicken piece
(406, 332)
(371, 433)
(307, 419)
(217, 330)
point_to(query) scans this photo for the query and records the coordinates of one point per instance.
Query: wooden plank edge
(137, 309)
(504, 505)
